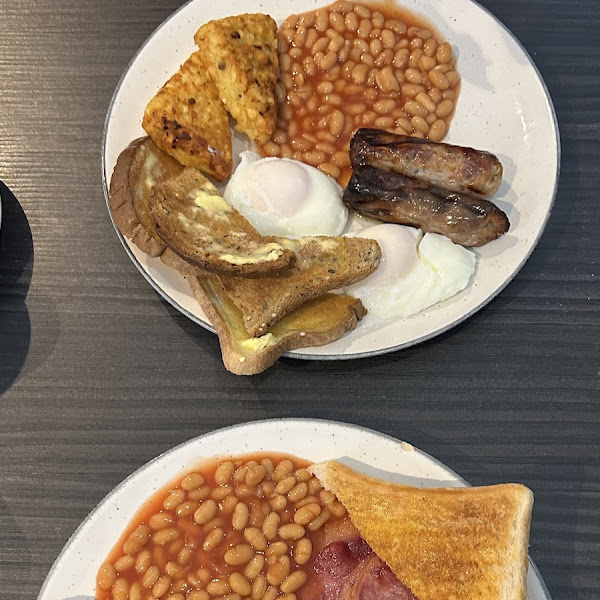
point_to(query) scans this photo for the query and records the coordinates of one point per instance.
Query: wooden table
(98, 375)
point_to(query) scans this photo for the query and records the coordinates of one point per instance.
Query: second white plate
(503, 107)
(73, 575)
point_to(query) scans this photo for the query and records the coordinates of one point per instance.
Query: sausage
(454, 168)
(395, 198)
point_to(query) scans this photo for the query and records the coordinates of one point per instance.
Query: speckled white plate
(73, 575)
(503, 107)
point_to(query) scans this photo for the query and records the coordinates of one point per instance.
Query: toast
(322, 264)
(460, 543)
(139, 167)
(192, 219)
(315, 323)
(187, 120)
(241, 56)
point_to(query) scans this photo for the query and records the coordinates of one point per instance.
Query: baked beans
(242, 528)
(350, 65)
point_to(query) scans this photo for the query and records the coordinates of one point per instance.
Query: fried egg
(280, 196)
(416, 271)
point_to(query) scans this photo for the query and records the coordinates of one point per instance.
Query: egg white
(416, 271)
(285, 197)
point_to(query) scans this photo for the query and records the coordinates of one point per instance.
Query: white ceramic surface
(503, 107)
(74, 572)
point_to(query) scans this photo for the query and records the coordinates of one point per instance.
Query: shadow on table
(16, 267)
(203, 338)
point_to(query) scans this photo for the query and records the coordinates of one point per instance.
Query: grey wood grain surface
(98, 375)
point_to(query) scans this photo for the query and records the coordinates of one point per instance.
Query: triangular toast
(187, 120)
(322, 264)
(241, 55)
(139, 168)
(194, 220)
(315, 323)
(459, 543)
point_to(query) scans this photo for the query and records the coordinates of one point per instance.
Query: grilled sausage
(453, 168)
(395, 198)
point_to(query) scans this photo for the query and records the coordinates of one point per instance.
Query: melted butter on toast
(315, 323)
(241, 341)
(193, 219)
(266, 253)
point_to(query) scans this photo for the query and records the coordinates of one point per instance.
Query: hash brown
(241, 56)
(187, 120)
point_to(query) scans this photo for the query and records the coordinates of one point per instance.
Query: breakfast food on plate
(287, 309)
(266, 526)
(453, 168)
(139, 167)
(314, 323)
(263, 257)
(194, 220)
(187, 119)
(394, 198)
(245, 525)
(322, 264)
(351, 65)
(286, 197)
(242, 59)
(461, 543)
(436, 187)
(416, 271)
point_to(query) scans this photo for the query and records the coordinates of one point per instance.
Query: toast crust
(242, 59)
(322, 264)
(187, 120)
(139, 167)
(459, 543)
(315, 323)
(193, 219)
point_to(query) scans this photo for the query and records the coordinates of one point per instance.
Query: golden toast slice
(192, 219)
(187, 120)
(242, 58)
(322, 264)
(315, 323)
(139, 168)
(460, 543)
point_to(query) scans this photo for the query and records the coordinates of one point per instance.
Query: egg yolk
(398, 253)
(278, 187)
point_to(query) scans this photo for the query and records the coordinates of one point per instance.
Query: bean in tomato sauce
(243, 527)
(350, 65)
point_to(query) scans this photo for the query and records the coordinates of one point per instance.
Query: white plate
(503, 107)
(73, 575)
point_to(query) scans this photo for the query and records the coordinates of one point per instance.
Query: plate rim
(346, 355)
(360, 429)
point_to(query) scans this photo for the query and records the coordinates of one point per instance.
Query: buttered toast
(322, 264)
(139, 167)
(241, 56)
(183, 219)
(315, 323)
(192, 218)
(460, 543)
(187, 119)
